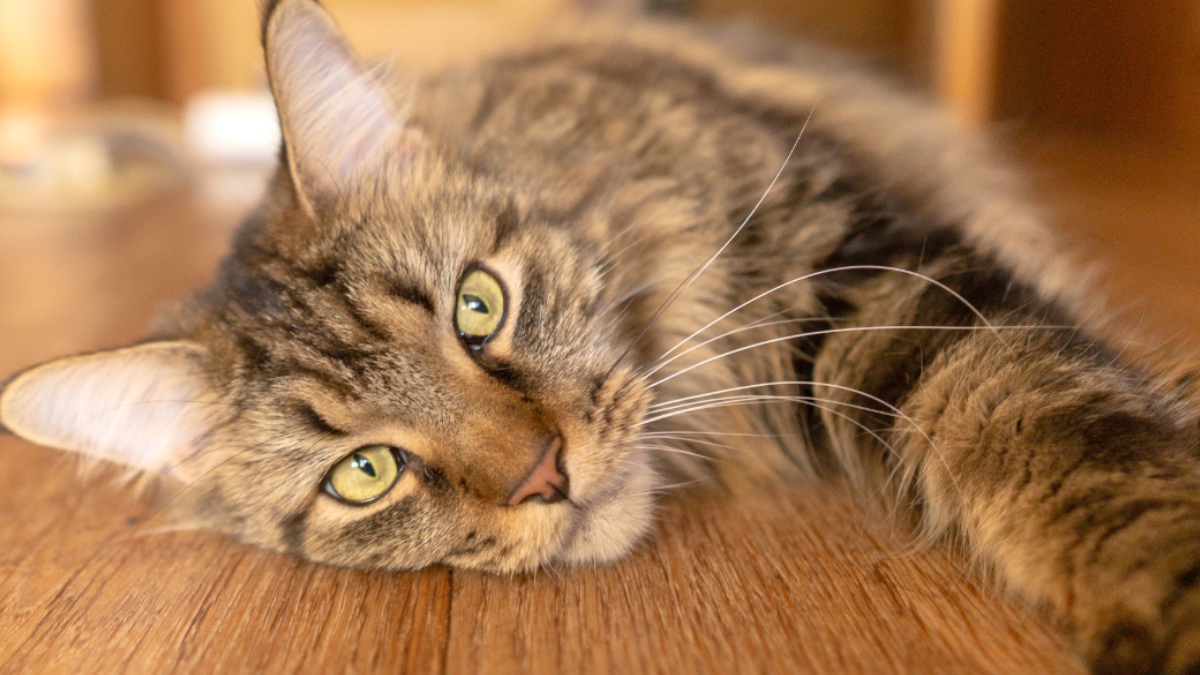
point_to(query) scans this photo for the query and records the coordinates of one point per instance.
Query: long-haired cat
(467, 307)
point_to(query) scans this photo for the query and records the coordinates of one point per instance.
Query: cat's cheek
(595, 470)
(601, 452)
(612, 526)
(528, 535)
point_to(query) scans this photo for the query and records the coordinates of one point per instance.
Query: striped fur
(891, 314)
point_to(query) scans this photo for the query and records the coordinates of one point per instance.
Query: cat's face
(470, 341)
(400, 364)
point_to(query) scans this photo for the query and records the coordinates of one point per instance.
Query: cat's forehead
(402, 388)
(363, 309)
(431, 225)
(447, 223)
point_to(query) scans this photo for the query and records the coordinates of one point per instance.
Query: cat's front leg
(1077, 480)
(1073, 477)
(1069, 472)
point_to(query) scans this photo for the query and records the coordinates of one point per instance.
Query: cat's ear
(339, 121)
(147, 407)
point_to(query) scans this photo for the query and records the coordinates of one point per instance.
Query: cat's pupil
(475, 303)
(364, 465)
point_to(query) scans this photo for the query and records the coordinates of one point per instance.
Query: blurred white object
(98, 159)
(232, 128)
(22, 134)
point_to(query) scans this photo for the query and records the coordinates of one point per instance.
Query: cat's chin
(608, 527)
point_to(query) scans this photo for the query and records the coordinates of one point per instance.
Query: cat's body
(888, 314)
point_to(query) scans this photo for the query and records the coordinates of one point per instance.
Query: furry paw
(1166, 644)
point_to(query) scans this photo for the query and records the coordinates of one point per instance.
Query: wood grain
(799, 581)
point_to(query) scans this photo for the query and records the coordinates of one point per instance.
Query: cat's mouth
(589, 498)
(607, 525)
(612, 491)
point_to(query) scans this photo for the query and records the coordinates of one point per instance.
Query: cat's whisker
(684, 432)
(828, 331)
(816, 404)
(753, 398)
(691, 409)
(726, 315)
(776, 397)
(812, 401)
(812, 275)
(901, 463)
(707, 263)
(758, 385)
(676, 451)
(684, 439)
(764, 322)
(666, 489)
(780, 383)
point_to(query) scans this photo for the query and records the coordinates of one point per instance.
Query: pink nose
(545, 480)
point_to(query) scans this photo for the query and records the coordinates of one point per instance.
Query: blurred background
(141, 129)
(105, 100)
(135, 134)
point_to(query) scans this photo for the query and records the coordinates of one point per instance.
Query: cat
(470, 312)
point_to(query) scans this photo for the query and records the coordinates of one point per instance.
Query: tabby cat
(467, 308)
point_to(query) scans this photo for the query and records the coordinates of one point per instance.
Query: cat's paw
(1167, 644)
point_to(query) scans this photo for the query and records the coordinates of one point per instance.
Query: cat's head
(400, 364)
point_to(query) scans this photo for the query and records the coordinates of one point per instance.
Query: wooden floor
(93, 580)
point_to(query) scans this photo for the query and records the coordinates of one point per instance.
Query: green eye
(366, 475)
(480, 306)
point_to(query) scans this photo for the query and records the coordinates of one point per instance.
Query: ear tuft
(148, 407)
(339, 122)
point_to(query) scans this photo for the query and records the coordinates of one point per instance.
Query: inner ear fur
(148, 407)
(340, 122)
